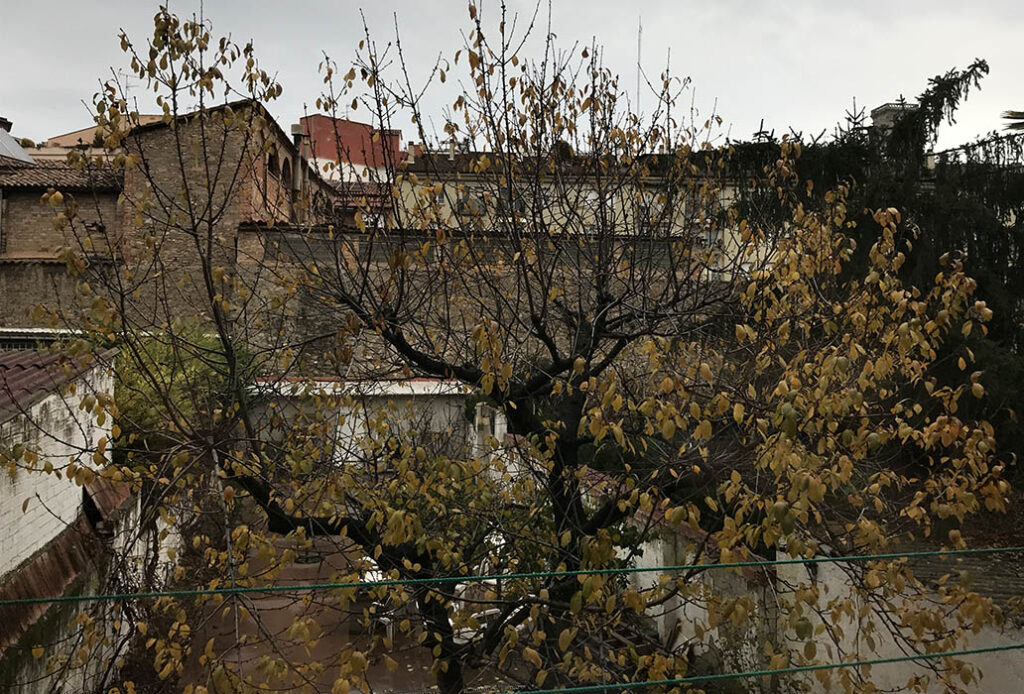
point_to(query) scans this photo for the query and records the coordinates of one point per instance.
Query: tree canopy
(688, 350)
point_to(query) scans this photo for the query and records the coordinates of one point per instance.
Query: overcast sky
(794, 64)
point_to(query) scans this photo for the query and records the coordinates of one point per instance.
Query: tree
(667, 366)
(965, 200)
(1016, 117)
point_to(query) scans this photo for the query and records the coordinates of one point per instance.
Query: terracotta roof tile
(28, 375)
(54, 175)
(47, 575)
(108, 495)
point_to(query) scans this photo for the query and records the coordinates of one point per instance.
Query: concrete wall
(435, 410)
(685, 624)
(855, 632)
(862, 635)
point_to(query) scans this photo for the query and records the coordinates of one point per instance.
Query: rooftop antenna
(127, 82)
(639, 36)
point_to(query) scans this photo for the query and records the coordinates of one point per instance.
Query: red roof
(108, 495)
(48, 574)
(27, 376)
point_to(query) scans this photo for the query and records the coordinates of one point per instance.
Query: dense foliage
(693, 348)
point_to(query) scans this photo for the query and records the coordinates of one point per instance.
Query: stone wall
(30, 238)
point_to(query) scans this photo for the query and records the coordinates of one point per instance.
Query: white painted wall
(1001, 672)
(60, 433)
(724, 647)
(347, 171)
(426, 406)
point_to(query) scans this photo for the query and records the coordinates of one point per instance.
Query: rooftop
(27, 376)
(31, 175)
(10, 149)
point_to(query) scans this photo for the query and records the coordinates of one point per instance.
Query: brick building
(197, 177)
(346, 150)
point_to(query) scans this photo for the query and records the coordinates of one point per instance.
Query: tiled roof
(108, 496)
(49, 574)
(54, 175)
(370, 195)
(29, 375)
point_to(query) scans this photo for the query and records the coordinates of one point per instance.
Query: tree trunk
(448, 666)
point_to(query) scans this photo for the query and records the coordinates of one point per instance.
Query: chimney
(451, 149)
(5, 124)
(410, 149)
(299, 137)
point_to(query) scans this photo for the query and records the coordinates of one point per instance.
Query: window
(510, 204)
(470, 204)
(286, 185)
(654, 213)
(711, 236)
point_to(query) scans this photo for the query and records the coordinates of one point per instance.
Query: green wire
(767, 673)
(234, 590)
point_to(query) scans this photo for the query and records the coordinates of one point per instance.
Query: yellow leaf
(737, 412)
(37, 652)
(705, 373)
(532, 656)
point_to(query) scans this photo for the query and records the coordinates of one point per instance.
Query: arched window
(271, 180)
(286, 185)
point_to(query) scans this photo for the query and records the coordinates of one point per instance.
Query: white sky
(797, 63)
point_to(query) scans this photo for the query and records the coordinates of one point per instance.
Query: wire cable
(307, 587)
(767, 673)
